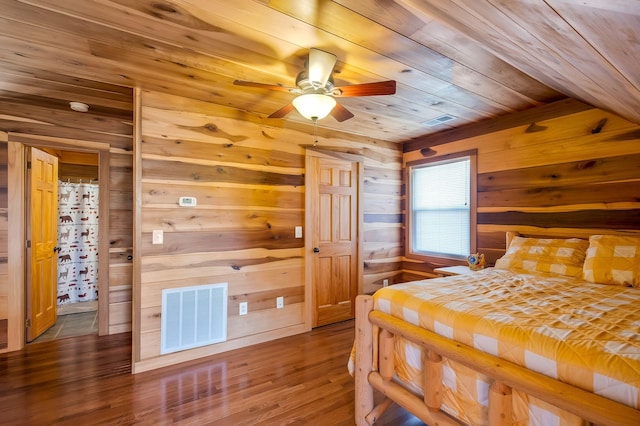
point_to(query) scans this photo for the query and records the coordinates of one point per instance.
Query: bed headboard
(565, 233)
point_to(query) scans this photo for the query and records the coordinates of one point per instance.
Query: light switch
(158, 236)
(298, 231)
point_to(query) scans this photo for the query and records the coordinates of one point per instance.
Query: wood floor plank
(299, 380)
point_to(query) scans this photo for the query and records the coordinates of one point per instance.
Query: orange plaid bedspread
(584, 334)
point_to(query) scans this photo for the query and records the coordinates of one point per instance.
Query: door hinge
(28, 322)
(28, 165)
(28, 243)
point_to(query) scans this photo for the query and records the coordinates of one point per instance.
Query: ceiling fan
(316, 89)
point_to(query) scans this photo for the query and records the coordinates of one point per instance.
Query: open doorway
(73, 286)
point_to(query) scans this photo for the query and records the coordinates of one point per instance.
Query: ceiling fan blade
(321, 65)
(368, 89)
(282, 111)
(262, 85)
(340, 113)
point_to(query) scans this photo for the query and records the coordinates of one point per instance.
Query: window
(442, 207)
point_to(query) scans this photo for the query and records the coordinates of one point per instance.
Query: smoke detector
(79, 106)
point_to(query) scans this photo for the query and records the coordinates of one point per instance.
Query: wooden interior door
(42, 174)
(334, 207)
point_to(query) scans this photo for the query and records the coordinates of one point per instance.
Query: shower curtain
(78, 241)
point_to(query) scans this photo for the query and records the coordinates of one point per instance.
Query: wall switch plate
(242, 308)
(280, 302)
(298, 231)
(187, 201)
(385, 283)
(158, 236)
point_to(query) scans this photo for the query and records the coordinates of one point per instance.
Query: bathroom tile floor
(75, 324)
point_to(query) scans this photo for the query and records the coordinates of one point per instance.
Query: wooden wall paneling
(4, 242)
(248, 179)
(119, 236)
(120, 316)
(136, 234)
(17, 125)
(565, 172)
(104, 314)
(210, 218)
(382, 222)
(239, 269)
(485, 127)
(43, 114)
(235, 228)
(618, 194)
(41, 121)
(583, 172)
(74, 172)
(16, 262)
(582, 123)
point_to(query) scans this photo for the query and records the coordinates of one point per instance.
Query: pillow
(557, 256)
(613, 260)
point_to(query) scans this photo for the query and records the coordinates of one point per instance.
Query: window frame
(473, 195)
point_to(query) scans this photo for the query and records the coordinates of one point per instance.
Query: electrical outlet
(242, 308)
(280, 302)
(158, 236)
(298, 231)
(385, 283)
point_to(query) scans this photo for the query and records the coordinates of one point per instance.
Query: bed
(550, 335)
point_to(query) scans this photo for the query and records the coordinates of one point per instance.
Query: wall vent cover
(438, 120)
(193, 316)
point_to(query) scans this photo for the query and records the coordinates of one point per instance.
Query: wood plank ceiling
(470, 59)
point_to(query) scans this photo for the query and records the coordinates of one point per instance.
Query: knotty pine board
(555, 173)
(248, 179)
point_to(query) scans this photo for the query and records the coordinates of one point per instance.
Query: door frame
(310, 154)
(16, 222)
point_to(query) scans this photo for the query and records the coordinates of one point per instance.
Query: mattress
(581, 333)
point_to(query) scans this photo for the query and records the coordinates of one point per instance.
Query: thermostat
(187, 202)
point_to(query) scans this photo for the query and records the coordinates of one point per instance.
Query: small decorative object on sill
(475, 261)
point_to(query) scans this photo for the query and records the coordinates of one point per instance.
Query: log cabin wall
(77, 166)
(249, 181)
(4, 247)
(562, 166)
(39, 120)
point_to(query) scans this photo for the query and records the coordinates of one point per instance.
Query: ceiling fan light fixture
(314, 106)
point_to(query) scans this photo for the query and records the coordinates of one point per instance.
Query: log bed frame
(506, 376)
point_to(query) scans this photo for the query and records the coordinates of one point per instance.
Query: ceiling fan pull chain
(315, 131)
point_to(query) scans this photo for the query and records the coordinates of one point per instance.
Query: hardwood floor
(300, 380)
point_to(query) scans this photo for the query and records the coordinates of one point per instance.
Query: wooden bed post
(386, 353)
(500, 406)
(432, 381)
(364, 359)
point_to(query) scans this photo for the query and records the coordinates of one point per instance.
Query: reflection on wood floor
(299, 380)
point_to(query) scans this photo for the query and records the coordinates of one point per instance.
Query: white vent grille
(193, 316)
(439, 120)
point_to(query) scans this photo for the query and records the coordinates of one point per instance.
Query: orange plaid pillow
(557, 256)
(613, 260)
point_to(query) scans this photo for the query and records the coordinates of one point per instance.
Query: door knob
(316, 250)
